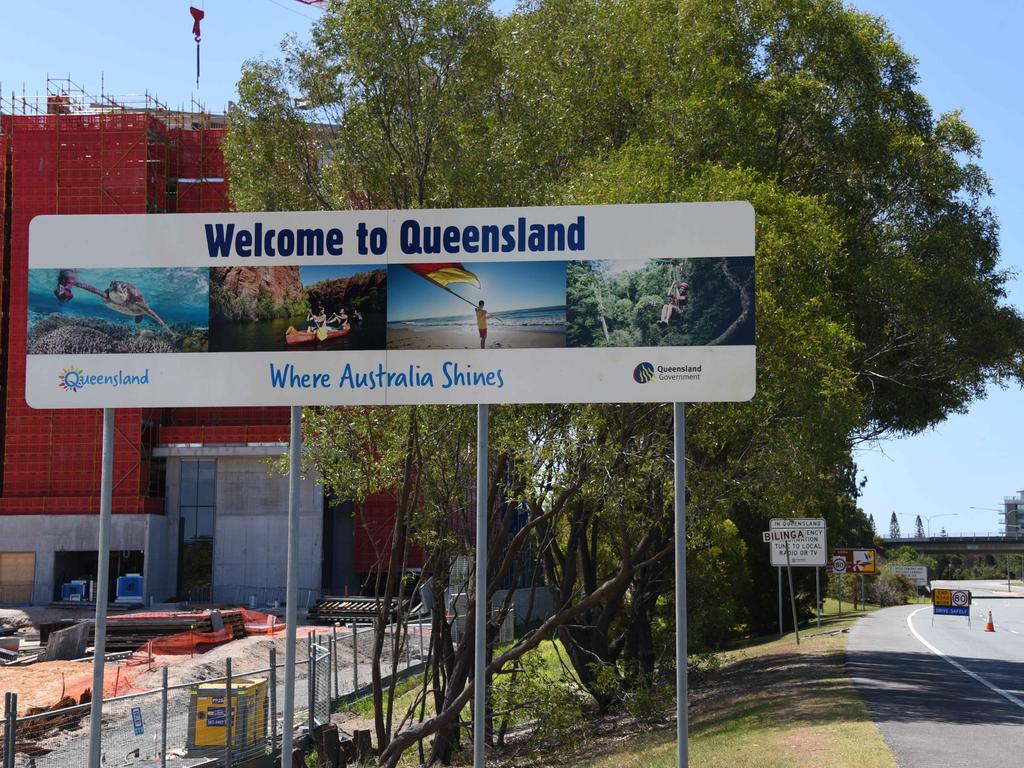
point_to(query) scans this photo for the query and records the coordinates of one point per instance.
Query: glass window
(204, 522)
(189, 487)
(197, 508)
(206, 485)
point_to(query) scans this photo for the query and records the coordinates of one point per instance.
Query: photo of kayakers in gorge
(272, 309)
(480, 305)
(118, 311)
(660, 302)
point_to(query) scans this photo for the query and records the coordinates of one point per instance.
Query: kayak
(293, 336)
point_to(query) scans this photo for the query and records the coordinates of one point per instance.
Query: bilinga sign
(805, 537)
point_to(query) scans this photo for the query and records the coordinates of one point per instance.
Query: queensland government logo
(71, 379)
(643, 373)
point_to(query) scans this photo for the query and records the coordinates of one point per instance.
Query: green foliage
(892, 589)
(880, 302)
(549, 701)
(629, 304)
(231, 307)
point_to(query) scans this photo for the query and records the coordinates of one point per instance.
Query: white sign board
(805, 537)
(916, 573)
(621, 303)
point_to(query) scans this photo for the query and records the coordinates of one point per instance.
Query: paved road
(945, 694)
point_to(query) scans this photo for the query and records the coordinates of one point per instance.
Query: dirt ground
(41, 685)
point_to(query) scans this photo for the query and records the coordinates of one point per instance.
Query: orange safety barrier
(165, 651)
(259, 623)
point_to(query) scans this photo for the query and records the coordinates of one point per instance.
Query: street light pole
(928, 518)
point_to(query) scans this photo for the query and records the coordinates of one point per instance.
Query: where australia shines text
(224, 240)
(452, 375)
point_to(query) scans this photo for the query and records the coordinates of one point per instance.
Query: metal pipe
(10, 733)
(481, 602)
(163, 719)
(292, 589)
(311, 685)
(355, 657)
(102, 576)
(228, 720)
(682, 690)
(334, 659)
(273, 700)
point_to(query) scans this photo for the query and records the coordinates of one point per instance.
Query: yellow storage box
(208, 714)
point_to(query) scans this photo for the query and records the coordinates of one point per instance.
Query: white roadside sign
(805, 536)
(916, 573)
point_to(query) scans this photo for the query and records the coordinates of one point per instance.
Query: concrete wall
(46, 534)
(250, 538)
(251, 533)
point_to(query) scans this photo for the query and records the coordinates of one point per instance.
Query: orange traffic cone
(990, 627)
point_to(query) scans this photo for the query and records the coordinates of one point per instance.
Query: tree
(894, 527)
(880, 302)
(871, 519)
(918, 528)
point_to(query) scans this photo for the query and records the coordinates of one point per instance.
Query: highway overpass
(990, 544)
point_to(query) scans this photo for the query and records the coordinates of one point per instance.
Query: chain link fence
(191, 718)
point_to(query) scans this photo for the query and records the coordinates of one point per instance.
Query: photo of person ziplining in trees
(492, 305)
(660, 302)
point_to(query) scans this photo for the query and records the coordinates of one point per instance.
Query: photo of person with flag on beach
(491, 305)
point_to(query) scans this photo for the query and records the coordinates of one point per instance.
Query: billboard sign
(805, 537)
(853, 561)
(918, 574)
(620, 303)
(951, 602)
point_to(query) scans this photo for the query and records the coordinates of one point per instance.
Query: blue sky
(968, 59)
(503, 286)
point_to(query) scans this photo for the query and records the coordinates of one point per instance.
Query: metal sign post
(292, 589)
(779, 569)
(817, 596)
(792, 596)
(102, 576)
(682, 691)
(480, 616)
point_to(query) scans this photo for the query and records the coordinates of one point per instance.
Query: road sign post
(779, 571)
(796, 541)
(792, 596)
(817, 596)
(951, 602)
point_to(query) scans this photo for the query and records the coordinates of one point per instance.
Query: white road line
(996, 689)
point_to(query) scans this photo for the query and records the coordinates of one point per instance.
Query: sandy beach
(467, 338)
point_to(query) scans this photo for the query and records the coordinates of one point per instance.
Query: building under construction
(197, 512)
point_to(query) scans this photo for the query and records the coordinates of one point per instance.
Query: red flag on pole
(197, 16)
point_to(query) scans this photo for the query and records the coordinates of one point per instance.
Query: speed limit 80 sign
(853, 561)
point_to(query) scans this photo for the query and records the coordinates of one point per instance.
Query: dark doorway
(337, 575)
(81, 565)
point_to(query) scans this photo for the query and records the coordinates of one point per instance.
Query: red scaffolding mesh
(71, 155)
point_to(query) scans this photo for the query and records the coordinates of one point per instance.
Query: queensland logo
(71, 379)
(643, 373)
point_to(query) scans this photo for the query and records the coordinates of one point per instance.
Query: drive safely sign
(951, 602)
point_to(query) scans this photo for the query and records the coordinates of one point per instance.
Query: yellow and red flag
(444, 273)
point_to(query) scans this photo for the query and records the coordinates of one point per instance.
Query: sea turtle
(125, 298)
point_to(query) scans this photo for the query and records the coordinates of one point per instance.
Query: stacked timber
(348, 610)
(131, 631)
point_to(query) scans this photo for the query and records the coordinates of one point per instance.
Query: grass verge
(773, 704)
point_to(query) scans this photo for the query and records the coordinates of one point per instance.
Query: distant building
(1013, 513)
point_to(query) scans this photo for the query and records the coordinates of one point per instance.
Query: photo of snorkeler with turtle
(111, 311)
(660, 302)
